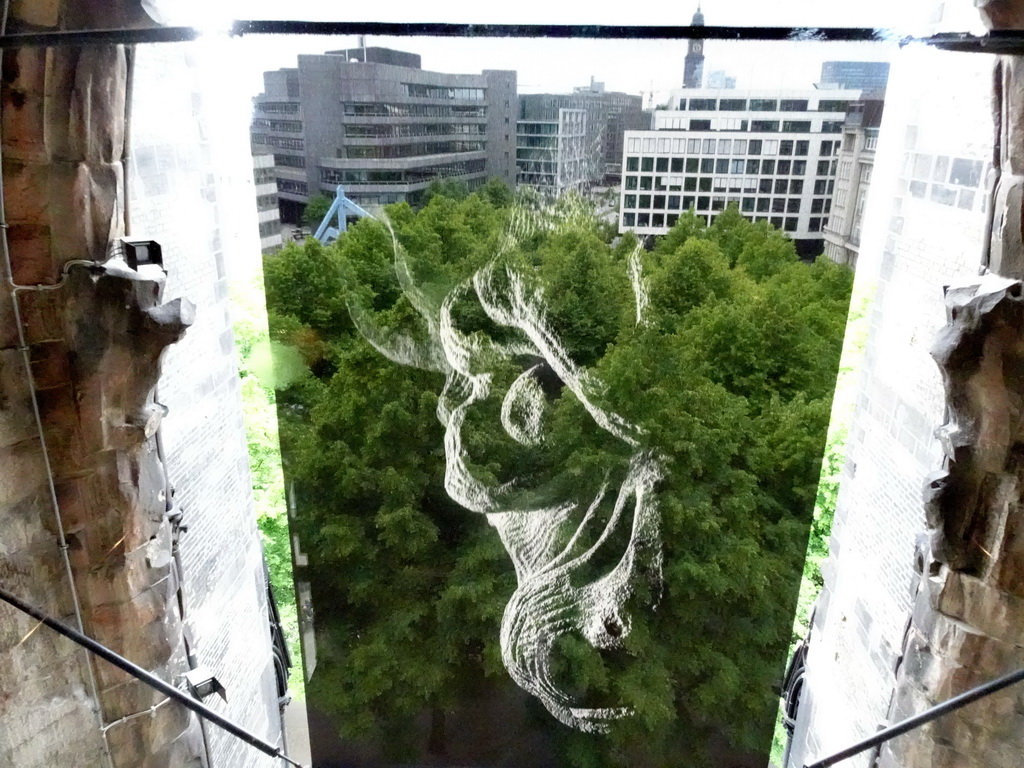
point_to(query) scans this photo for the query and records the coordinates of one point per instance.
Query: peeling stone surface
(968, 624)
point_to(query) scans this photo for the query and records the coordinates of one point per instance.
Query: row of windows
(266, 202)
(287, 126)
(291, 186)
(412, 150)
(278, 141)
(720, 184)
(712, 202)
(263, 175)
(408, 176)
(378, 131)
(378, 109)
(799, 147)
(787, 223)
(761, 105)
(733, 183)
(419, 90)
(545, 142)
(754, 126)
(284, 107)
(958, 171)
(290, 161)
(726, 165)
(537, 129)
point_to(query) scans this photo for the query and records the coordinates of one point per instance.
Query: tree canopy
(728, 380)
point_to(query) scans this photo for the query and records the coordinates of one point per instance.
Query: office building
(856, 164)
(551, 155)
(771, 153)
(371, 120)
(266, 202)
(865, 75)
(609, 114)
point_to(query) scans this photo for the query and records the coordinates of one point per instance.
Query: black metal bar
(995, 42)
(148, 678)
(432, 29)
(927, 716)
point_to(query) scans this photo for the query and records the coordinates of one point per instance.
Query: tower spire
(693, 66)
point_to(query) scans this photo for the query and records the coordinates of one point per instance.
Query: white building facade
(772, 154)
(266, 202)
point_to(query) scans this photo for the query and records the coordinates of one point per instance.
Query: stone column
(94, 347)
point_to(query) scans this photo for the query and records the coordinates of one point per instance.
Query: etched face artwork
(580, 548)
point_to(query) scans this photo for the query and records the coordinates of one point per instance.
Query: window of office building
(764, 126)
(702, 105)
(833, 105)
(700, 125)
(732, 105)
(647, 164)
(763, 105)
(793, 105)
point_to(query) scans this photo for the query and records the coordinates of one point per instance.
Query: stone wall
(95, 346)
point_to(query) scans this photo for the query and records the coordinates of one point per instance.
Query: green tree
(316, 208)
(729, 381)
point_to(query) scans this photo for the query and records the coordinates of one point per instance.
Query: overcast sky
(558, 65)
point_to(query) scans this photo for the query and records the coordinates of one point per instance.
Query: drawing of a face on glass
(583, 536)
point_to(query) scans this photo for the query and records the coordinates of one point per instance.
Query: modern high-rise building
(853, 179)
(609, 115)
(771, 153)
(552, 155)
(371, 120)
(865, 75)
(693, 64)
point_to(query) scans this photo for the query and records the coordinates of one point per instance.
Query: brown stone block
(17, 422)
(42, 313)
(86, 209)
(23, 475)
(58, 411)
(1007, 572)
(25, 186)
(30, 254)
(50, 364)
(96, 128)
(38, 13)
(982, 606)
(23, 105)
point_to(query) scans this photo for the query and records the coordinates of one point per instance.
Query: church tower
(693, 66)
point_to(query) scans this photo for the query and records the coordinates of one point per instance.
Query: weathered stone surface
(94, 348)
(968, 622)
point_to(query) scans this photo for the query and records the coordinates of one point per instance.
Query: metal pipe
(148, 678)
(918, 720)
